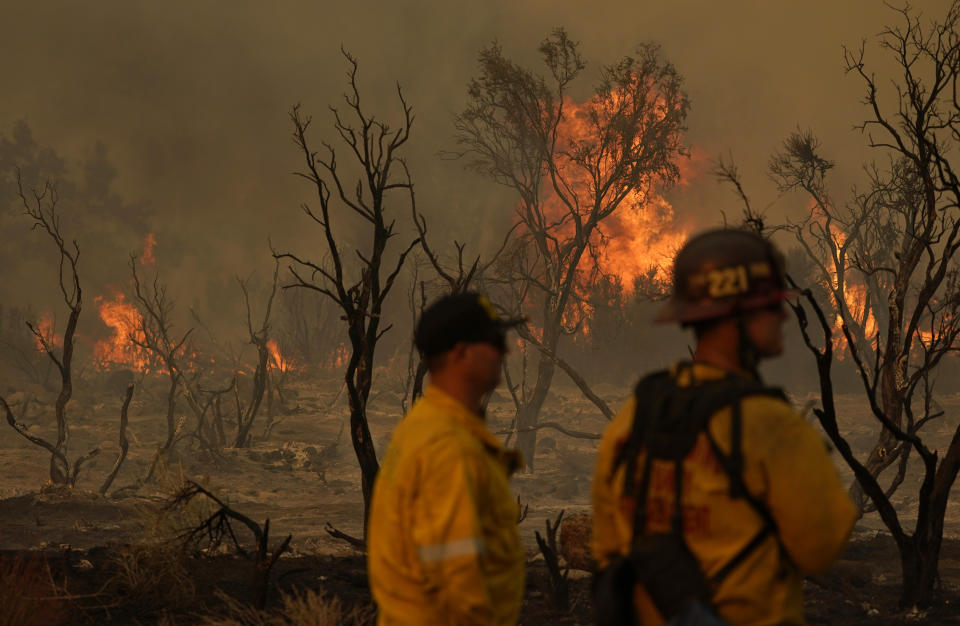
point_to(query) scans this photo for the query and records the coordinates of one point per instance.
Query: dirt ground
(89, 548)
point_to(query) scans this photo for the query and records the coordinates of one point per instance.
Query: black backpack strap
(737, 487)
(659, 399)
(755, 542)
(733, 467)
(732, 463)
(677, 521)
(640, 508)
(650, 396)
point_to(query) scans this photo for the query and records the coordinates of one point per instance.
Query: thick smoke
(173, 118)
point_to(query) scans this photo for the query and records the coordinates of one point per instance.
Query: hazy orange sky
(192, 98)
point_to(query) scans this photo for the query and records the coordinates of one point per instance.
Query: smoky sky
(191, 101)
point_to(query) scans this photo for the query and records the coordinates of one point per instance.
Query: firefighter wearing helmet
(712, 497)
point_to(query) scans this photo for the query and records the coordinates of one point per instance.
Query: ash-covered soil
(303, 476)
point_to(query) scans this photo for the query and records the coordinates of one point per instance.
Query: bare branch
(124, 444)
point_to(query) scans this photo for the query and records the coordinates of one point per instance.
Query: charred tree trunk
(42, 209)
(923, 567)
(171, 408)
(59, 470)
(122, 439)
(418, 377)
(375, 147)
(919, 562)
(245, 421)
(261, 376)
(359, 379)
(529, 412)
(558, 585)
(919, 552)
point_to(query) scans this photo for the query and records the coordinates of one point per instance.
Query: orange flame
(639, 239)
(340, 356)
(855, 298)
(854, 295)
(277, 360)
(642, 234)
(147, 257)
(120, 350)
(45, 328)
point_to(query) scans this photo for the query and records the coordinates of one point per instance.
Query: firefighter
(711, 495)
(443, 546)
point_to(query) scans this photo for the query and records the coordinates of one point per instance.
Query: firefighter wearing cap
(729, 288)
(443, 546)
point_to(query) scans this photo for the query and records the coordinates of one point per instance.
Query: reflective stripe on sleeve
(449, 550)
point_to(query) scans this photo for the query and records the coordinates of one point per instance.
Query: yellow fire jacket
(442, 540)
(785, 464)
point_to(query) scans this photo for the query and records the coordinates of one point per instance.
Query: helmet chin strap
(747, 352)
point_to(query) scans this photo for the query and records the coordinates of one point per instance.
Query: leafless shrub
(512, 132)
(27, 593)
(558, 584)
(358, 289)
(159, 523)
(41, 207)
(522, 510)
(215, 529)
(150, 575)
(300, 608)
(260, 338)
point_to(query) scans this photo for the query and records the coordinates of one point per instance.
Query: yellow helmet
(722, 272)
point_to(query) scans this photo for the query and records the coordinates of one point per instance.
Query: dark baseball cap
(460, 317)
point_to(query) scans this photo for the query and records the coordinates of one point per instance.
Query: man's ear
(458, 352)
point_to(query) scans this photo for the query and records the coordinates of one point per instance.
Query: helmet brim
(684, 313)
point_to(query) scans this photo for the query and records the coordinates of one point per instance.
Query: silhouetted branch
(559, 586)
(359, 544)
(124, 444)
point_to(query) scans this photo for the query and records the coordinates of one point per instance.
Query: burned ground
(104, 556)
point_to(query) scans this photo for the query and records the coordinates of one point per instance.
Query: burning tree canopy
(578, 169)
(122, 348)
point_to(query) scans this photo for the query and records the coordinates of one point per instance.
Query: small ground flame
(277, 360)
(340, 357)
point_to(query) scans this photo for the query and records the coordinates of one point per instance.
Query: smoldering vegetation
(198, 385)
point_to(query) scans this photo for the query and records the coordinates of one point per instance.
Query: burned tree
(572, 167)
(259, 338)
(358, 289)
(558, 584)
(886, 267)
(455, 277)
(124, 444)
(214, 530)
(308, 327)
(154, 334)
(20, 347)
(41, 207)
